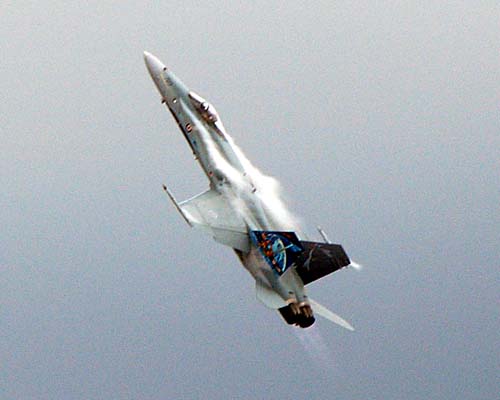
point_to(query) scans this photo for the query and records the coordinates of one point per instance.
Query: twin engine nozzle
(298, 314)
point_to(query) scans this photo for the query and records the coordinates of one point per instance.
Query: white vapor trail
(269, 191)
(316, 347)
(356, 266)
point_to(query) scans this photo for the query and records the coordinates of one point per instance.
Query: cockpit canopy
(206, 110)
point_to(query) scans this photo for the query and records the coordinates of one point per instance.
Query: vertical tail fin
(319, 260)
(279, 249)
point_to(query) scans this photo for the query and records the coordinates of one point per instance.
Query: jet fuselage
(236, 210)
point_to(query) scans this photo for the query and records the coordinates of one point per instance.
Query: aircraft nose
(155, 66)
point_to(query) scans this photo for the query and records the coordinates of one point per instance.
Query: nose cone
(169, 86)
(155, 66)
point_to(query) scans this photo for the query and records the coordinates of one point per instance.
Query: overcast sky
(381, 120)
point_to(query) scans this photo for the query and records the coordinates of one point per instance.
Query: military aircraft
(241, 210)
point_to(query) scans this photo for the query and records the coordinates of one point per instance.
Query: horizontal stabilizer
(320, 259)
(329, 315)
(211, 212)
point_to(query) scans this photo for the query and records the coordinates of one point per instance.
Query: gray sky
(381, 119)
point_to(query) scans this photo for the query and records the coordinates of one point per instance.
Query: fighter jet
(240, 211)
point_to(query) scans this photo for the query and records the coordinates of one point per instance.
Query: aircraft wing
(211, 212)
(320, 259)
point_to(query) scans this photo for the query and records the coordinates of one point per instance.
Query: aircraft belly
(287, 286)
(255, 264)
